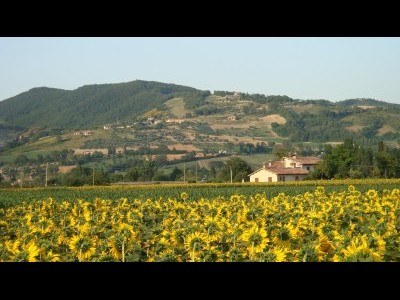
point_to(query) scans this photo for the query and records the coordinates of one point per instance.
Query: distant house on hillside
(85, 133)
(179, 121)
(288, 169)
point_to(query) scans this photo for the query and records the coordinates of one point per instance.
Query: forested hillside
(91, 105)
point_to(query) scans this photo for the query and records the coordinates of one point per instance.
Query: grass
(255, 161)
(177, 107)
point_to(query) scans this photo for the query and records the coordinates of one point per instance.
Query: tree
(280, 151)
(21, 159)
(132, 174)
(161, 160)
(383, 159)
(240, 170)
(215, 167)
(176, 173)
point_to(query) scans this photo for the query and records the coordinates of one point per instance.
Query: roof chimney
(294, 155)
(269, 163)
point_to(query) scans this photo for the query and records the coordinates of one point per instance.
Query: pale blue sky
(302, 68)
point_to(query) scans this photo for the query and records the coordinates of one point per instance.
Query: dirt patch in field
(385, 129)
(90, 151)
(334, 143)
(365, 106)
(354, 128)
(65, 169)
(174, 156)
(183, 147)
(236, 139)
(274, 119)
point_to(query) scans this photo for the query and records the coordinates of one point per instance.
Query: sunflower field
(315, 226)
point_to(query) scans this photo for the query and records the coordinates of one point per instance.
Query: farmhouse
(179, 121)
(288, 169)
(85, 133)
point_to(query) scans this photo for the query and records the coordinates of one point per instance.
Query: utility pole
(47, 166)
(196, 171)
(93, 177)
(21, 178)
(231, 173)
(184, 171)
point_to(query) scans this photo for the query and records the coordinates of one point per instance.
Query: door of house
(255, 179)
(269, 179)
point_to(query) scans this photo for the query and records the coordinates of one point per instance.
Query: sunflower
(184, 196)
(18, 252)
(126, 230)
(115, 248)
(279, 254)
(324, 248)
(256, 239)
(51, 257)
(372, 194)
(12, 248)
(177, 237)
(167, 255)
(4, 228)
(32, 250)
(379, 242)
(236, 254)
(211, 255)
(213, 229)
(82, 246)
(358, 250)
(195, 242)
(83, 228)
(123, 242)
(292, 230)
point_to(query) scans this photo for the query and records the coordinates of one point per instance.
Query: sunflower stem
(123, 251)
(194, 246)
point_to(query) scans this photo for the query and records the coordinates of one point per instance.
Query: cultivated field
(344, 220)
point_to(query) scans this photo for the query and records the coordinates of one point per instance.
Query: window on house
(283, 178)
(308, 168)
(296, 178)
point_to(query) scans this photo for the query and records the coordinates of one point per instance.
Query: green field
(13, 196)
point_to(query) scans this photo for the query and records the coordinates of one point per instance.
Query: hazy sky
(302, 68)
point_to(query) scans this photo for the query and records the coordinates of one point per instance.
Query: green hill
(87, 106)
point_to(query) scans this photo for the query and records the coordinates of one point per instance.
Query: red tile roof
(278, 168)
(306, 160)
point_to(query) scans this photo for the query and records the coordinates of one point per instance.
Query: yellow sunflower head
(195, 241)
(82, 246)
(255, 238)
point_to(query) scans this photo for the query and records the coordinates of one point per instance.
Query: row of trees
(139, 171)
(351, 160)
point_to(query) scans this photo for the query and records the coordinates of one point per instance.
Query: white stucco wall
(290, 177)
(263, 175)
